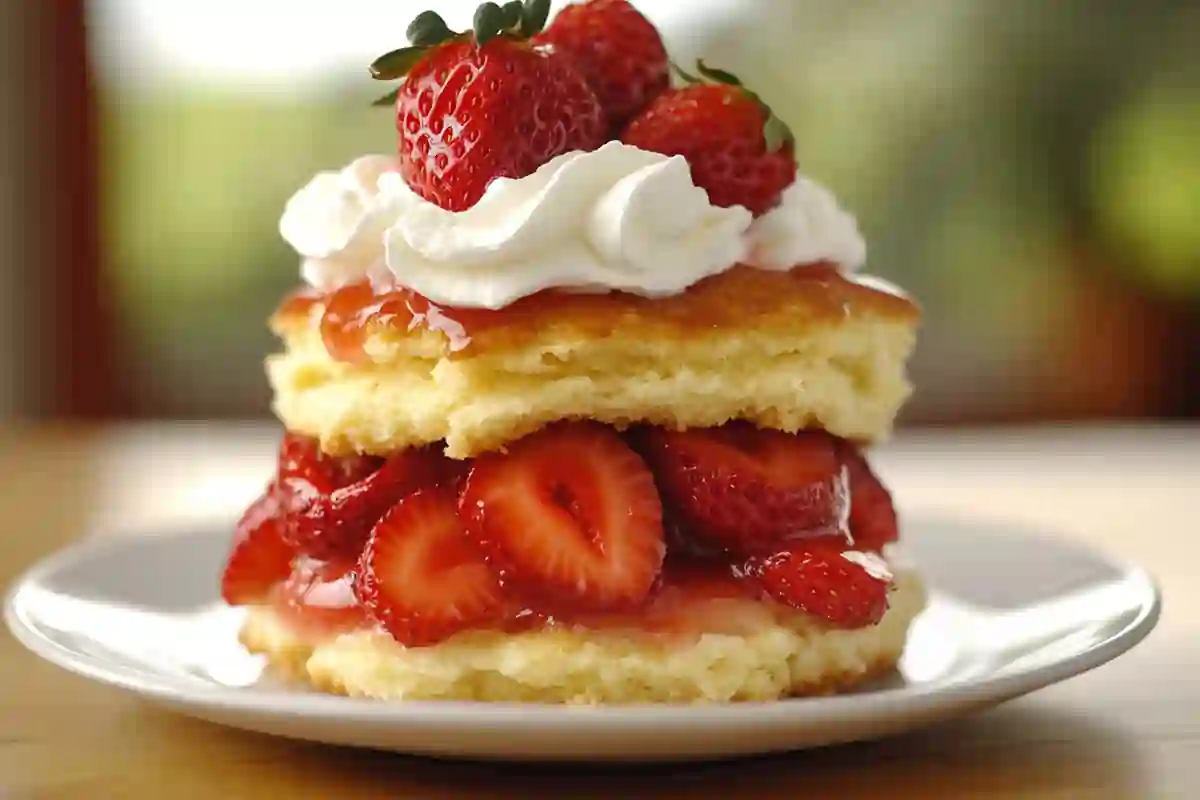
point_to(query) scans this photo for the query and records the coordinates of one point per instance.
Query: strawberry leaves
(397, 63)
(514, 18)
(489, 22)
(427, 31)
(388, 99)
(717, 75)
(534, 14)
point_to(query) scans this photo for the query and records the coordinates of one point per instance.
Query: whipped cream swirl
(807, 226)
(616, 218)
(338, 220)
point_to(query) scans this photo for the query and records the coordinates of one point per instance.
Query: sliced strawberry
(421, 577)
(453, 473)
(305, 472)
(340, 522)
(259, 558)
(747, 489)
(569, 515)
(682, 542)
(319, 598)
(818, 576)
(873, 520)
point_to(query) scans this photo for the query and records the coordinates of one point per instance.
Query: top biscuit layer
(784, 350)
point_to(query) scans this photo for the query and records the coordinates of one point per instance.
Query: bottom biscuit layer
(801, 657)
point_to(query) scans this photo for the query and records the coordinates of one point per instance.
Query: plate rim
(281, 703)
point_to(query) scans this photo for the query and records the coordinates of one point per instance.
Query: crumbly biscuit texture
(794, 658)
(829, 355)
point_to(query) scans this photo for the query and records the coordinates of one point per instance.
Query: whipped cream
(338, 220)
(807, 226)
(616, 218)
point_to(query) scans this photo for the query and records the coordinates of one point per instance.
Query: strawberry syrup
(692, 596)
(723, 301)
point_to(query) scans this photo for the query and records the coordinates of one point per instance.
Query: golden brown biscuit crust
(785, 351)
(782, 303)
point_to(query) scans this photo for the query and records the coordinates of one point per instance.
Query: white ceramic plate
(1010, 612)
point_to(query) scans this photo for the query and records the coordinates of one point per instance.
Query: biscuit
(797, 656)
(778, 350)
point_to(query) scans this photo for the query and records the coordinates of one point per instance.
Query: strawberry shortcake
(577, 392)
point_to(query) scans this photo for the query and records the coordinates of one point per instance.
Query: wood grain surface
(1130, 729)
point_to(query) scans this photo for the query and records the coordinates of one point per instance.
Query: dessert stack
(578, 391)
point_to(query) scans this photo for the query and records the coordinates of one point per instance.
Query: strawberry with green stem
(738, 150)
(484, 104)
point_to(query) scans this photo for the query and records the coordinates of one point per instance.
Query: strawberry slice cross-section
(421, 577)
(569, 515)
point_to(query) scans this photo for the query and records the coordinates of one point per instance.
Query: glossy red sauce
(725, 301)
(692, 596)
(318, 599)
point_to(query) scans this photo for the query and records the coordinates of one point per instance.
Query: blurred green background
(1030, 170)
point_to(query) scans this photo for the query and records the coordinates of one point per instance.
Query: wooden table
(1130, 729)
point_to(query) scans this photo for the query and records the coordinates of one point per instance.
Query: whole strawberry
(739, 151)
(619, 52)
(484, 104)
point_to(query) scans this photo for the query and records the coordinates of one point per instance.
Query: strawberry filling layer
(578, 525)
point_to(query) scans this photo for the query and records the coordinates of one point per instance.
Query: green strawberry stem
(492, 20)
(717, 75)
(515, 19)
(534, 14)
(429, 29)
(388, 99)
(776, 133)
(397, 63)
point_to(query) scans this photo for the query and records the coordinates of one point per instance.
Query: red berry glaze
(467, 115)
(815, 577)
(748, 490)
(421, 577)
(259, 559)
(570, 516)
(318, 598)
(340, 522)
(567, 527)
(690, 597)
(617, 50)
(305, 473)
(719, 129)
(873, 521)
